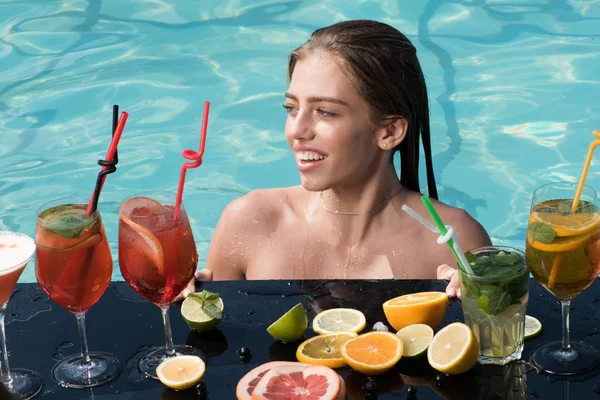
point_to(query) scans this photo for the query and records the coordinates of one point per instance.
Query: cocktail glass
(74, 267)
(494, 301)
(157, 257)
(563, 254)
(16, 249)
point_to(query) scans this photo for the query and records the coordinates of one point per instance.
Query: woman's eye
(288, 108)
(325, 113)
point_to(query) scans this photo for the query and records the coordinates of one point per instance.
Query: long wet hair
(387, 74)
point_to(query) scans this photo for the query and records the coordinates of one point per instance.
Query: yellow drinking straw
(586, 166)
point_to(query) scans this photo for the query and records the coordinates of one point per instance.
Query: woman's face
(328, 126)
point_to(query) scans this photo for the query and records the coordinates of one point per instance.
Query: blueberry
(201, 388)
(411, 390)
(371, 387)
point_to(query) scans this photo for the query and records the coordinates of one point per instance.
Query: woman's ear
(392, 134)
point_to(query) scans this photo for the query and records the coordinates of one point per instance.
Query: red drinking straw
(191, 155)
(109, 156)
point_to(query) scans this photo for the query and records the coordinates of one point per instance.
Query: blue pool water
(513, 87)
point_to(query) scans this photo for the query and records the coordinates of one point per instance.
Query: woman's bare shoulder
(470, 232)
(261, 208)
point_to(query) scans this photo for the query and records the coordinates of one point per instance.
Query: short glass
(494, 301)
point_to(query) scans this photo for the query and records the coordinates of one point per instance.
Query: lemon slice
(453, 350)
(339, 320)
(533, 327)
(324, 349)
(181, 372)
(291, 325)
(416, 339)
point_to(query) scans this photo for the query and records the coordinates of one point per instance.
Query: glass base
(72, 373)
(552, 359)
(156, 355)
(24, 383)
(489, 360)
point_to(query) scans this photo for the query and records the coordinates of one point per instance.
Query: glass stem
(4, 368)
(566, 308)
(85, 355)
(168, 336)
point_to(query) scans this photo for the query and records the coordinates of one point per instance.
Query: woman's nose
(300, 126)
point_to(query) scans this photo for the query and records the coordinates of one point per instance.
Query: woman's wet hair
(384, 66)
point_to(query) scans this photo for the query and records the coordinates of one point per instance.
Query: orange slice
(373, 353)
(324, 349)
(560, 244)
(152, 249)
(567, 225)
(417, 308)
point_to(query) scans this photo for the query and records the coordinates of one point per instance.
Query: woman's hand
(448, 273)
(201, 275)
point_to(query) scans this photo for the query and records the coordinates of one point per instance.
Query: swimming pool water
(513, 90)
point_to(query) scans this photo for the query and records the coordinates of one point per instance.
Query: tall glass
(74, 267)
(16, 249)
(563, 254)
(494, 302)
(157, 257)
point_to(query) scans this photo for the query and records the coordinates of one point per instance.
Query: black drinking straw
(111, 164)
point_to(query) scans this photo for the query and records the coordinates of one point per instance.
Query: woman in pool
(357, 95)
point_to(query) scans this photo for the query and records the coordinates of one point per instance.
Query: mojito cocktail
(494, 301)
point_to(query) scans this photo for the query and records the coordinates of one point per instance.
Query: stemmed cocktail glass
(74, 267)
(563, 254)
(16, 249)
(157, 257)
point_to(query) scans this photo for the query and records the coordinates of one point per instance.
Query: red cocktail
(157, 257)
(74, 267)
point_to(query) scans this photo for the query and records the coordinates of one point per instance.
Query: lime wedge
(291, 326)
(416, 339)
(533, 327)
(196, 317)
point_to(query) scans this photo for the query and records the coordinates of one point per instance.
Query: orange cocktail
(74, 267)
(157, 257)
(16, 250)
(74, 264)
(563, 255)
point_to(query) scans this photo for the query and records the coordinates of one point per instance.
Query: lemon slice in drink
(196, 317)
(453, 350)
(291, 325)
(533, 327)
(152, 249)
(339, 320)
(416, 339)
(181, 372)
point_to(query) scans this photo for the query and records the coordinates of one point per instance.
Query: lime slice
(196, 317)
(291, 326)
(416, 339)
(533, 327)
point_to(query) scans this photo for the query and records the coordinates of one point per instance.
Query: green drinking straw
(458, 253)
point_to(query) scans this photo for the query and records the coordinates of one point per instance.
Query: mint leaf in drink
(212, 310)
(67, 224)
(541, 232)
(494, 299)
(586, 207)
